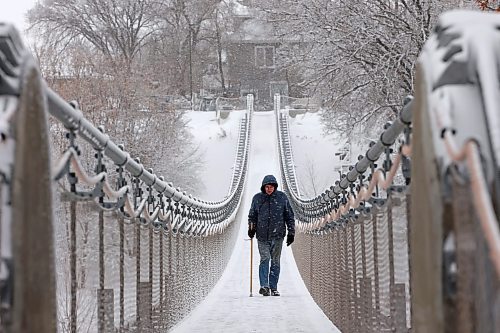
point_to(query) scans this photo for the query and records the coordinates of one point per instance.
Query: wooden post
(426, 221)
(34, 308)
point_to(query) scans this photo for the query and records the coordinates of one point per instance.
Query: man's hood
(269, 180)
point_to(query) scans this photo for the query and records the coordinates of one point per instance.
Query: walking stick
(251, 264)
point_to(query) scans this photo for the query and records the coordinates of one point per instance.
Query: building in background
(253, 62)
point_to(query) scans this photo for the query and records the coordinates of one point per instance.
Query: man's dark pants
(270, 251)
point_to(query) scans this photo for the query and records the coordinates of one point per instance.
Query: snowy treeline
(168, 44)
(357, 57)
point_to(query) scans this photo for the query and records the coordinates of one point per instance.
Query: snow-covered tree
(180, 37)
(117, 28)
(92, 51)
(358, 56)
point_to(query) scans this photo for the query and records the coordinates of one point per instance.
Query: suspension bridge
(406, 240)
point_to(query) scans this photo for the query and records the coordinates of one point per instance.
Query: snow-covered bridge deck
(229, 307)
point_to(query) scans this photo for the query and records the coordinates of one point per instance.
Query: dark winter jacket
(270, 213)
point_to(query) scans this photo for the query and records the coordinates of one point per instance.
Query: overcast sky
(14, 11)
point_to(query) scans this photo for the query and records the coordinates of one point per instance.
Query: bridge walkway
(228, 307)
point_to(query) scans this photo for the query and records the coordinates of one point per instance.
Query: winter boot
(264, 291)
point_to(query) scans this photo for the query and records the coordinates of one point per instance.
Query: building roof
(253, 30)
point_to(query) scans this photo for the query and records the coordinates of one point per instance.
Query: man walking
(269, 218)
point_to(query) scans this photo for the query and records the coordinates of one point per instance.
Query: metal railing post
(72, 258)
(150, 279)
(122, 272)
(161, 237)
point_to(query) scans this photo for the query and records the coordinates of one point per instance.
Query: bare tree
(218, 37)
(184, 42)
(117, 28)
(127, 108)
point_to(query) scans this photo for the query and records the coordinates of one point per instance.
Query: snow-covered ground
(316, 159)
(228, 307)
(217, 140)
(314, 154)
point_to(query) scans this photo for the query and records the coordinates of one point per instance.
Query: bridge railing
(455, 238)
(125, 250)
(423, 257)
(352, 250)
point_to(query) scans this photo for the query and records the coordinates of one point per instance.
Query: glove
(289, 239)
(251, 230)
(251, 233)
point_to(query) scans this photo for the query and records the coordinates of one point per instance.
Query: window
(264, 56)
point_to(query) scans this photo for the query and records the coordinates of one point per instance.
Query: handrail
(74, 120)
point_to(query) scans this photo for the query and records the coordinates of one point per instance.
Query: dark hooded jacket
(272, 214)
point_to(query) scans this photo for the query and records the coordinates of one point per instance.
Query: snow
(228, 307)
(314, 167)
(475, 33)
(316, 164)
(217, 140)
